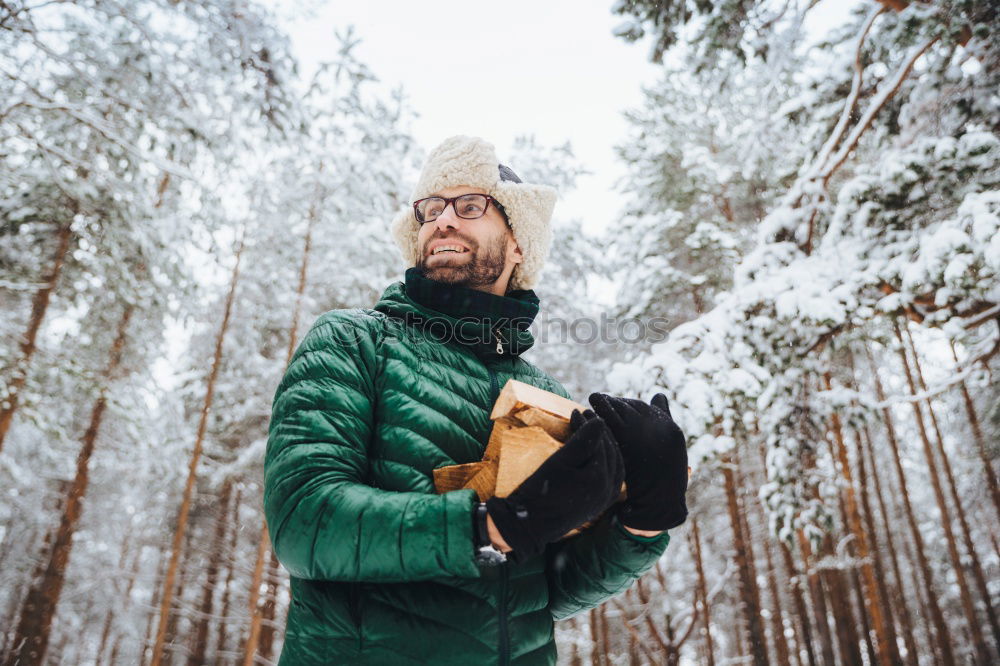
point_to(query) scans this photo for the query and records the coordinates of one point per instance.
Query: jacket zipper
(502, 592)
(494, 386)
(354, 599)
(502, 608)
(499, 342)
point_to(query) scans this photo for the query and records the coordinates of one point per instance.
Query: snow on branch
(885, 93)
(852, 98)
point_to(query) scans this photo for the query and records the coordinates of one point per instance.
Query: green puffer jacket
(382, 568)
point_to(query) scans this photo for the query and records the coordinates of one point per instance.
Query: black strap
(480, 534)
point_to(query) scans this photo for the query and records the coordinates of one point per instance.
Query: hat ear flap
(404, 228)
(530, 209)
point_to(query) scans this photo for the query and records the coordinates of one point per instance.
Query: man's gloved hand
(656, 466)
(575, 484)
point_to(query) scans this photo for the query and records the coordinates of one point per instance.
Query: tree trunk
(220, 647)
(942, 635)
(636, 641)
(974, 563)
(702, 593)
(154, 603)
(923, 596)
(842, 610)
(818, 595)
(633, 635)
(268, 612)
(977, 434)
(887, 652)
(256, 612)
(109, 618)
(200, 648)
(259, 613)
(751, 555)
(574, 655)
(747, 586)
(835, 580)
(672, 657)
(125, 605)
(789, 575)
(38, 571)
(39, 306)
(175, 617)
(633, 651)
(168, 583)
(978, 640)
(598, 652)
(906, 628)
(778, 615)
(602, 616)
(31, 639)
(866, 625)
(885, 607)
(804, 631)
(640, 590)
(116, 649)
(749, 510)
(594, 636)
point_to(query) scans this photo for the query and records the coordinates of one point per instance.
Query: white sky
(498, 70)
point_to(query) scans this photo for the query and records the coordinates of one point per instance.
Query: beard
(484, 267)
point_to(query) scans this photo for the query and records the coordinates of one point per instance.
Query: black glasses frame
(450, 201)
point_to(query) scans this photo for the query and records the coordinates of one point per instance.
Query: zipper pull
(499, 342)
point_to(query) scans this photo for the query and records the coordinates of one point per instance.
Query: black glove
(656, 464)
(575, 484)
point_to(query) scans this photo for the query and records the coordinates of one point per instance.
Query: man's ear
(514, 251)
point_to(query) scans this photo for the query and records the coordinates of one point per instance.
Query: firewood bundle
(529, 425)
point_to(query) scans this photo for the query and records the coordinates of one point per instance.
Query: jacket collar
(469, 317)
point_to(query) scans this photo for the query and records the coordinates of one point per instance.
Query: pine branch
(963, 371)
(898, 5)
(880, 101)
(852, 99)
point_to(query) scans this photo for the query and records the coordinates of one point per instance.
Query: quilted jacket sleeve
(325, 523)
(601, 562)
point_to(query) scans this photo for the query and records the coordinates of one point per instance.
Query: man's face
(486, 251)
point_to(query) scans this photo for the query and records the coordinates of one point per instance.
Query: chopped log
(529, 425)
(493, 446)
(522, 451)
(518, 405)
(556, 426)
(516, 396)
(454, 477)
(485, 481)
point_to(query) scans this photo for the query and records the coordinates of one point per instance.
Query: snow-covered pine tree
(100, 200)
(322, 199)
(892, 213)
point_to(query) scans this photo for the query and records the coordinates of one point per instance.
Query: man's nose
(447, 218)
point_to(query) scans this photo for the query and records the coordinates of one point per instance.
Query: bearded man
(383, 569)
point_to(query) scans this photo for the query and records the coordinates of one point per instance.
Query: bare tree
(32, 637)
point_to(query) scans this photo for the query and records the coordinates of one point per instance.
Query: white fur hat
(465, 160)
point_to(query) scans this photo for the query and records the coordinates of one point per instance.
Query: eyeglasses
(466, 206)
